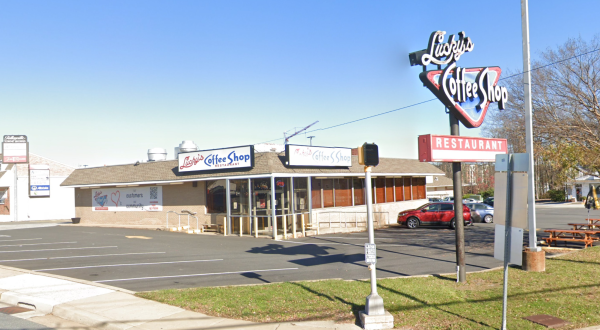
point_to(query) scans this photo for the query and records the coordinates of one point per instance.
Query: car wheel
(488, 219)
(412, 223)
(452, 224)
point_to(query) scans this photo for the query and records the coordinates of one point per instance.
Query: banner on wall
(39, 181)
(296, 155)
(127, 199)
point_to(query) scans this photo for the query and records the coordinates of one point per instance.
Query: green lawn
(569, 289)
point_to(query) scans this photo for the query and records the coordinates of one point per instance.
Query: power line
(419, 103)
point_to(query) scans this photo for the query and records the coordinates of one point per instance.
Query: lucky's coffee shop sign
(466, 92)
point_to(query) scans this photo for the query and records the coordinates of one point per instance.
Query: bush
(487, 193)
(557, 195)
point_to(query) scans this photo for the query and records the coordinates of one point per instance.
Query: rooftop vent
(156, 154)
(185, 146)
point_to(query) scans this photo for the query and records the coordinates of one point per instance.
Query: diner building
(270, 196)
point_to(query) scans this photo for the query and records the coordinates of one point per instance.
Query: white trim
(254, 176)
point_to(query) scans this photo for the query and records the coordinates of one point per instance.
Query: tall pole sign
(466, 93)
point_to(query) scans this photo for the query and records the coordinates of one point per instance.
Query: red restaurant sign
(452, 148)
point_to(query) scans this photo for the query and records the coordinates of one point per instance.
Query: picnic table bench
(586, 236)
(585, 226)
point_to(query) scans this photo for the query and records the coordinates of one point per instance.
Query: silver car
(481, 212)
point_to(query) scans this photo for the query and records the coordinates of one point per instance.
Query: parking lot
(142, 260)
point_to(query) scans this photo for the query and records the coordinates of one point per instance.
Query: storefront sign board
(296, 155)
(39, 181)
(127, 199)
(15, 149)
(217, 159)
(452, 148)
(466, 92)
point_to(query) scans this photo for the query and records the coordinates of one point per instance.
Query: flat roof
(265, 165)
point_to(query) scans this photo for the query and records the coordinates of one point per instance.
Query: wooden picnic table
(593, 221)
(585, 226)
(586, 236)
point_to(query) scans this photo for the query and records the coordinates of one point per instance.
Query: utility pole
(534, 257)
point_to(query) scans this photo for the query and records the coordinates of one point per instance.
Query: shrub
(557, 195)
(487, 193)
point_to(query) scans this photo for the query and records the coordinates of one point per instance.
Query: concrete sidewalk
(99, 306)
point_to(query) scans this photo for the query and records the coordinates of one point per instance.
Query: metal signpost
(511, 216)
(467, 94)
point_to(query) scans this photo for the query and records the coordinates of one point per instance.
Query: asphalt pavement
(143, 260)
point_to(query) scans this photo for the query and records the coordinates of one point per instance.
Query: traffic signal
(368, 154)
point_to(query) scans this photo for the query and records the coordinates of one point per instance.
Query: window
(380, 189)
(215, 196)
(446, 207)
(407, 190)
(316, 193)
(343, 192)
(389, 190)
(328, 193)
(261, 196)
(300, 194)
(433, 207)
(421, 194)
(238, 191)
(399, 189)
(359, 191)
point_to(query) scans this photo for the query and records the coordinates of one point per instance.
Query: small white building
(580, 186)
(59, 205)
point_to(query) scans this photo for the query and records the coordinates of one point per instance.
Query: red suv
(433, 214)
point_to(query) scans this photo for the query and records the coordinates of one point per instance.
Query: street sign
(370, 254)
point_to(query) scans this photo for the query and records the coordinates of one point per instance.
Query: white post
(528, 128)
(303, 225)
(241, 223)
(224, 226)
(374, 305)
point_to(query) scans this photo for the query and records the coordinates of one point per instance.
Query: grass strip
(568, 289)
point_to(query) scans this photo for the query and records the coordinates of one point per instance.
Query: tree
(566, 112)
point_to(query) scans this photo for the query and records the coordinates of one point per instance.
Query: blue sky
(101, 82)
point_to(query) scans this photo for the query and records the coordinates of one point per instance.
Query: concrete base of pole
(534, 261)
(385, 321)
(374, 305)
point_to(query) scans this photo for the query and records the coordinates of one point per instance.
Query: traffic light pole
(461, 271)
(374, 305)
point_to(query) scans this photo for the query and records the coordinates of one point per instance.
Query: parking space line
(193, 275)
(82, 248)
(21, 239)
(38, 244)
(138, 264)
(89, 256)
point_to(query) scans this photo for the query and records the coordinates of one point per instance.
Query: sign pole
(507, 237)
(374, 305)
(15, 199)
(461, 272)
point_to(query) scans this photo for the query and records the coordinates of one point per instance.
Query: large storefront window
(316, 193)
(261, 204)
(300, 194)
(399, 189)
(389, 190)
(215, 196)
(327, 192)
(407, 190)
(380, 190)
(359, 191)
(238, 190)
(343, 192)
